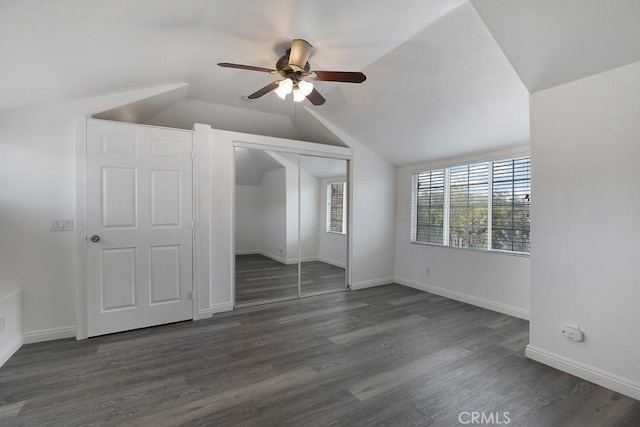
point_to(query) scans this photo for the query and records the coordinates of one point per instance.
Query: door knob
(95, 238)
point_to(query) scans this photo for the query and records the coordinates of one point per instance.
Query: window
(429, 206)
(336, 204)
(511, 203)
(482, 205)
(468, 206)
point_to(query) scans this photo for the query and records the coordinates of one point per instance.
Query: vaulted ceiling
(445, 77)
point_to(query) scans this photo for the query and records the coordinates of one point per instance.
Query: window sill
(336, 233)
(484, 251)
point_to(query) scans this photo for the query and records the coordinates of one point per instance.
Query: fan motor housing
(283, 65)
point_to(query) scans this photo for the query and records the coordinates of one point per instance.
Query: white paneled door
(139, 226)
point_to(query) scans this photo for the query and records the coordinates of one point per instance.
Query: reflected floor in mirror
(259, 278)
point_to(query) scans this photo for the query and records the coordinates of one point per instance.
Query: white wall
(247, 219)
(332, 247)
(186, 113)
(491, 280)
(37, 185)
(372, 213)
(273, 215)
(585, 228)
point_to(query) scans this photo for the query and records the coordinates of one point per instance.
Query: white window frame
(447, 200)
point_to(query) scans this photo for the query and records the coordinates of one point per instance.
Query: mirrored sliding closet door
(290, 225)
(323, 224)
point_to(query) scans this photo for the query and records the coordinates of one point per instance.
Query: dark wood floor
(376, 357)
(259, 278)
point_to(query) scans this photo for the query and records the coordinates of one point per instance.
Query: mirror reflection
(265, 226)
(290, 225)
(323, 224)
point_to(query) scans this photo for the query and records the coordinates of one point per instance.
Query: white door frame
(81, 228)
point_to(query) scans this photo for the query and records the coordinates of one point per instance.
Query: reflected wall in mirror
(290, 225)
(323, 224)
(266, 226)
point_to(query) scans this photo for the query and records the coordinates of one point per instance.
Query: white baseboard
(333, 262)
(10, 349)
(49, 334)
(247, 252)
(203, 314)
(371, 283)
(469, 299)
(274, 257)
(222, 307)
(587, 372)
(216, 308)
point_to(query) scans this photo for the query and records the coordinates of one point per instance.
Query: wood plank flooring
(381, 356)
(259, 278)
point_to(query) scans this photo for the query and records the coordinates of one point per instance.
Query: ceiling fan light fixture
(298, 95)
(305, 87)
(284, 88)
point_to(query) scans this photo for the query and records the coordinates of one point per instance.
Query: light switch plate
(62, 225)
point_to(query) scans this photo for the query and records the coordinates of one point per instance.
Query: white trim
(248, 252)
(587, 372)
(299, 147)
(469, 299)
(49, 334)
(10, 349)
(221, 307)
(371, 283)
(276, 258)
(81, 227)
(483, 251)
(203, 314)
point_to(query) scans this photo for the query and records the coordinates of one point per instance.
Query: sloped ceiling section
(551, 42)
(446, 92)
(445, 77)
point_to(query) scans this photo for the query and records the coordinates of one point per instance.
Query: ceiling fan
(297, 76)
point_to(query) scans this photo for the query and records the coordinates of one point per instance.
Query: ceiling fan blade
(265, 90)
(246, 67)
(299, 55)
(338, 76)
(316, 98)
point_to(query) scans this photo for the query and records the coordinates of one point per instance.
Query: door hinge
(193, 155)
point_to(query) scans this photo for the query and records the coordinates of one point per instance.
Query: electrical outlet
(572, 333)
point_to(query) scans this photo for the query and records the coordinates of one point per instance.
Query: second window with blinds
(336, 213)
(480, 206)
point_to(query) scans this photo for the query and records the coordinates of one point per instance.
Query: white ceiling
(552, 42)
(443, 79)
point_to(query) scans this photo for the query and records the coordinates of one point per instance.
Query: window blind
(429, 215)
(468, 206)
(511, 205)
(336, 207)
